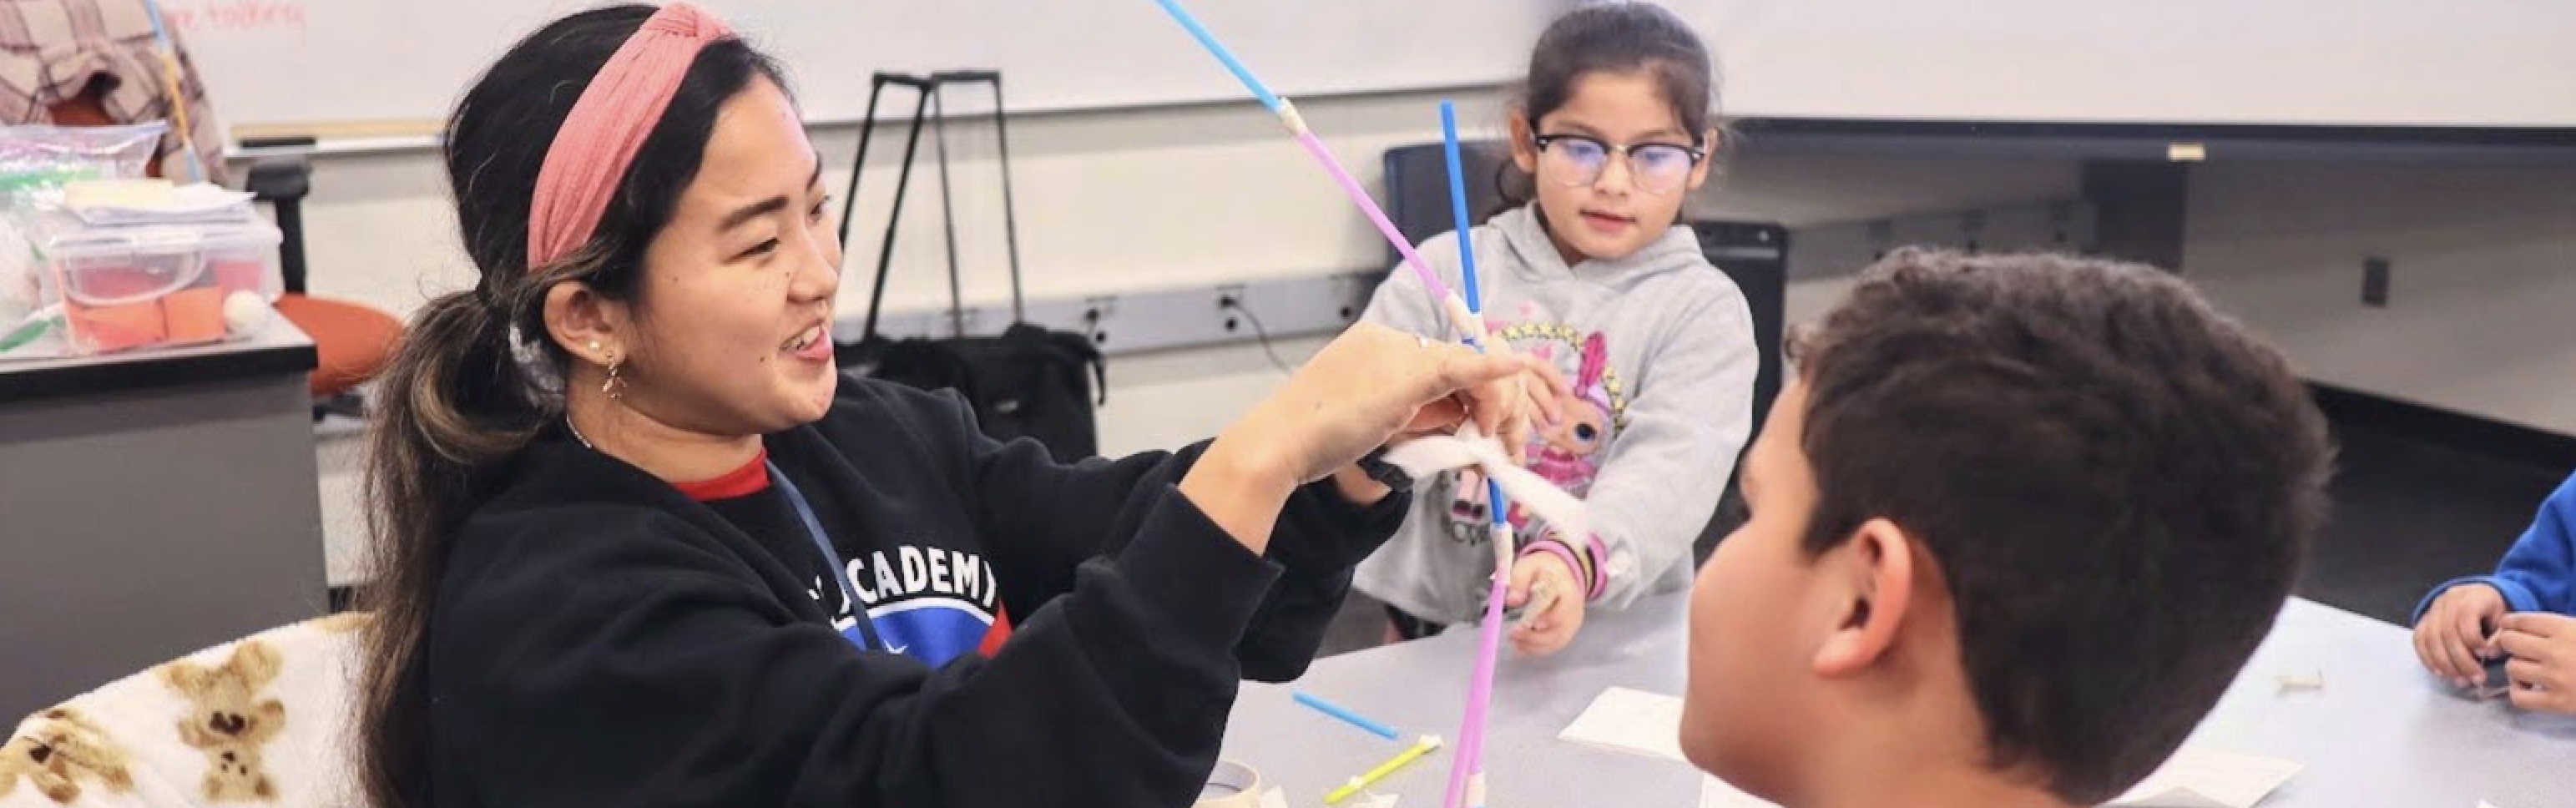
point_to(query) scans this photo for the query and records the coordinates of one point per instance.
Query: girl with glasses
(1612, 130)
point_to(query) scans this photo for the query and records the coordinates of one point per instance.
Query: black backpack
(1028, 382)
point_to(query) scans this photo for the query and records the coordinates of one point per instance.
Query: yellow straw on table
(1420, 748)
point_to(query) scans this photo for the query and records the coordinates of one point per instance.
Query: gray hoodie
(1659, 348)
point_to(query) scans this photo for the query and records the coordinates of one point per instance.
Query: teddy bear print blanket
(263, 721)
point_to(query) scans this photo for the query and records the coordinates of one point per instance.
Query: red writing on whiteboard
(188, 17)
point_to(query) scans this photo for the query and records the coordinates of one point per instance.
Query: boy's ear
(1872, 574)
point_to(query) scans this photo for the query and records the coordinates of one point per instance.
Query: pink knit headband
(608, 125)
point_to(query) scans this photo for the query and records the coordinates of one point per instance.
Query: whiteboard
(287, 62)
(2475, 63)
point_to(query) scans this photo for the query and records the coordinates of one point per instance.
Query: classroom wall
(2483, 268)
(1117, 201)
(2483, 277)
(1106, 201)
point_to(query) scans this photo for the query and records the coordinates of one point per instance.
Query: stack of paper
(147, 201)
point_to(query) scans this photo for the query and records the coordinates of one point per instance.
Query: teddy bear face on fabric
(57, 753)
(229, 721)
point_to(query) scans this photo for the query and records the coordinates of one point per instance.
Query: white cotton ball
(244, 312)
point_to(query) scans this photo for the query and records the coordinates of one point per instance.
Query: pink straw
(1480, 695)
(1376, 216)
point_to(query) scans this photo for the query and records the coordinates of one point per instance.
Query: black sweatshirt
(600, 638)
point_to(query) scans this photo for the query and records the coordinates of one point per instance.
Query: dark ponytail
(1612, 37)
(438, 428)
(475, 376)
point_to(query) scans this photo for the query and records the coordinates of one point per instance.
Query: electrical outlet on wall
(2374, 282)
(1229, 303)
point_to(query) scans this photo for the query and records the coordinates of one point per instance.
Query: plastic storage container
(144, 286)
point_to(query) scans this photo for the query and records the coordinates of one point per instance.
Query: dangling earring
(614, 386)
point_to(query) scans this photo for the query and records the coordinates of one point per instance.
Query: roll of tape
(1232, 785)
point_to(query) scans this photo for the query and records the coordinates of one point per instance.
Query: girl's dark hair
(457, 398)
(1622, 36)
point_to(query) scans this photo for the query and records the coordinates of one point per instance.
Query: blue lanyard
(840, 572)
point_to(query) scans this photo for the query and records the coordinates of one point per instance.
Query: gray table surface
(2380, 733)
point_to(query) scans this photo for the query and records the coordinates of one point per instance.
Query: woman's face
(729, 332)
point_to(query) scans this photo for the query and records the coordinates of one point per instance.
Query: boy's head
(2023, 517)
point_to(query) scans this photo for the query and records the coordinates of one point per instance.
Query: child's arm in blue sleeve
(2539, 573)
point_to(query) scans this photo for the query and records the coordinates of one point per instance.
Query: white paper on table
(1632, 721)
(1274, 798)
(2202, 778)
(1716, 793)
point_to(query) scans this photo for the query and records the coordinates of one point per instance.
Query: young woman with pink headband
(639, 543)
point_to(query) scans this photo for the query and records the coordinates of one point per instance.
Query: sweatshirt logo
(913, 571)
(929, 603)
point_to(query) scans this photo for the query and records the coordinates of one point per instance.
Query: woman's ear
(1874, 571)
(586, 324)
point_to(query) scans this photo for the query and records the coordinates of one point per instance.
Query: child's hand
(1547, 391)
(1548, 630)
(2543, 668)
(2455, 630)
(1542, 391)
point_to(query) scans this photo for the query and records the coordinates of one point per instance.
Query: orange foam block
(103, 329)
(195, 315)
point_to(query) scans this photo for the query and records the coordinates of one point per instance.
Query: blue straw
(1471, 750)
(1208, 40)
(1466, 259)
(1458, 203)
(1344, 713)
(1466, 254)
